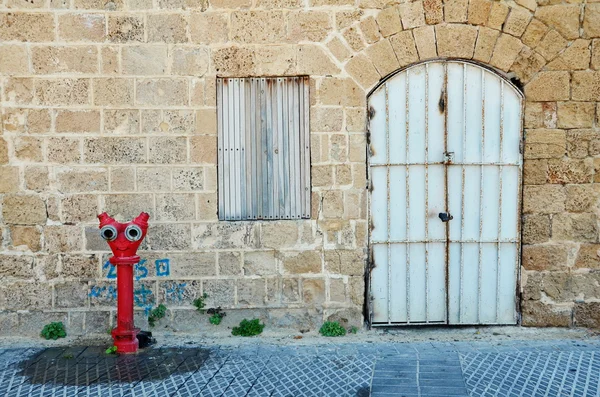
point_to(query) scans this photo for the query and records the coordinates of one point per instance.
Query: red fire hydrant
(124, 240)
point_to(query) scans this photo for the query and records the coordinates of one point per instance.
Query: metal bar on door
(426, 103)
(462, 202)
(501, 132)
(479, 275)
(446, 196)
(407, 200)
(220, 137)
(387, 178)
(306, 135)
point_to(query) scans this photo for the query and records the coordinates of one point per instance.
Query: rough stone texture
(113, 106)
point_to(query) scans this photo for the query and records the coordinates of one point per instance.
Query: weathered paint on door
(445, 174)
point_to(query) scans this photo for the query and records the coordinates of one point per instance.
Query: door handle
(445, 217)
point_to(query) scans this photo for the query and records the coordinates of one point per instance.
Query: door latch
(445, 217)
(448, 157)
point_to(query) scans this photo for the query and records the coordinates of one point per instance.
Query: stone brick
(540, 115)
(369, 29)
(208, 27)
(575, 57)
(538, 314)
(575, 227)
(455, 10)
(586, 86)
(479, 11)
(220, 292)
(564, 18)
(38, 121)
(363, 71)
(9, 179)
(63, 150)
(78, 121)
(545, 257)
(189, 178)
(203, 149)
(225, 235)
(175, 207)
(544, 199)
(354, 39)
(591, 21)
(337, 290)
(257, 26)
(506, 51)
(79, 208)
(551, 45)
(190, 61)
(70, 294)
(125, 28)
(536, 228)
(26, 26)
(588, 257)
(122, 179)
(21, 209)
(167, 150)
(545, 143)
(109, 60)
(162, 92)
(587, 314)
(346, 18)
(549, 86)
(127, 206)
(301, 262)
(207, 206)
(99, 5)
(36, 178)
(517, 21)
(234, 61)
(356, 119)
(338, 49)
(383, 57)
(143, 60)
(412, 14)
(259, 263)
(26, 295)
(250, 291)
(62, 239)
(351, 263)
(340, 91)
(79, 266)
(229, 263)
(486, 41)
(534, 33)
(313, 60)
(81, 27)
(64, 59)
(3, 151)
(153, 179)
(169, 236)
(167, 28)
(313, 291)
(279, 235)
(308, 26)
(581, 143)
(26, 236)
(192, 264)
(425, 41)
(326, 119)
(13, 60)
(82, 180)
(389, 22)
(321, 175)
(115, 92)
(58, 92)
(497, 17)
(595, 61)
(456, 40)
(231, 4)
(575, 114)
(527, 64)
(570, 171)
(108, 150)
(535, 172)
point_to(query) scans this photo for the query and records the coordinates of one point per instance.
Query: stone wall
(110, 106)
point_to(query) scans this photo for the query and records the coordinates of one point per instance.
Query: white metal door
(445, 174)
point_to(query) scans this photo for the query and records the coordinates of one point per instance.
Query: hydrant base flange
(126, 340)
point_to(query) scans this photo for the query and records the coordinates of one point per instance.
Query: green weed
(156, 314)
(248, 328)
(54, 331)
(332, 328)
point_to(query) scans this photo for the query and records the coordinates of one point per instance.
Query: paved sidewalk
(424, 369)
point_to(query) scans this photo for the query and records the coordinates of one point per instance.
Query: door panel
(444, 139)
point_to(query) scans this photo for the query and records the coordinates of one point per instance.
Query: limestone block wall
(110, 106)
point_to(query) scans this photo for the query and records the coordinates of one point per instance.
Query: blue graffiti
(163, 267)
(112, 271)
(174, 293)
(142, 296)
(104, 292)
(141, 271)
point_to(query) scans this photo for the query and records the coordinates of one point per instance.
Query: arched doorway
(445, 169)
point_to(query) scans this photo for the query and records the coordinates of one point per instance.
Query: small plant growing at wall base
(111, 350)
(332, 328)
(354, 329)
(248, 328)
(216, 315)
(200, 302)
(156, 314)
(54, 330)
